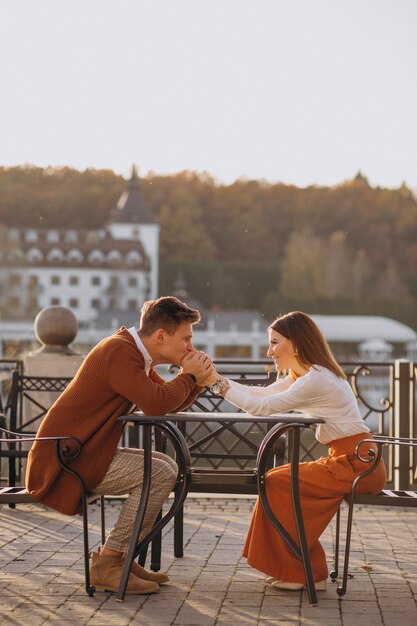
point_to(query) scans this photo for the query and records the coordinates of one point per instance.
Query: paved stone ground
(41, 573)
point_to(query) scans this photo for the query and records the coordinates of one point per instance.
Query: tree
(304, 269)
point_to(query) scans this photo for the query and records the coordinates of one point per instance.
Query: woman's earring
(295, 353)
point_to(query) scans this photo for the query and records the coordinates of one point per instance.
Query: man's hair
(166, 312)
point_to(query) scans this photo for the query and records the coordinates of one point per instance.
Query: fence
(386, 394)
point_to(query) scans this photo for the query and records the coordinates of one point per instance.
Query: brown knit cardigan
(110, 380)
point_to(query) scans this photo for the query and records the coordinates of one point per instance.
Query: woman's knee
(277, 478)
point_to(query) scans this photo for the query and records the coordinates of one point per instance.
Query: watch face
(216, 388)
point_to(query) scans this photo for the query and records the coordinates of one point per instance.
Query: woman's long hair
(310, 345)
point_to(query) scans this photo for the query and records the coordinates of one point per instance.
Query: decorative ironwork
(374, 386)
(216, 447)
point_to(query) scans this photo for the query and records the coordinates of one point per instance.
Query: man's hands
(200, 365)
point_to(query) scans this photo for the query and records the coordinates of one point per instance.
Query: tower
(132, 219)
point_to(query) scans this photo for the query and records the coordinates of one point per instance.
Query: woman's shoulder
(320, 373)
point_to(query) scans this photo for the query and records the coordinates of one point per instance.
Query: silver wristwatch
(219, 387)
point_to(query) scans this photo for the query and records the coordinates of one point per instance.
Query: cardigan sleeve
(194, 393)
(125, 374)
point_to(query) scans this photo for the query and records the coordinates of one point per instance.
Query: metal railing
(386, 395)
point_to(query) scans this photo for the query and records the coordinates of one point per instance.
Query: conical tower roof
(131, 207)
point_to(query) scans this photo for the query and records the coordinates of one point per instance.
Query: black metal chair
(387, 497)
(30, 397)
(13, 494)
(15, 443)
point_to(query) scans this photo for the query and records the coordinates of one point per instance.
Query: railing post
(403, 413)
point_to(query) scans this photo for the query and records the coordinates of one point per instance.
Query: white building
(87, 271)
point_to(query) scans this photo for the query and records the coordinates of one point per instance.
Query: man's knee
(166, 471)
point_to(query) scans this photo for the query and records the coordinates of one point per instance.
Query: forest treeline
(351, 248)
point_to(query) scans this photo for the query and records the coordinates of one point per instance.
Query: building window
(114, 282)
(55, 254)
(55, 301)
(133, 257)
(73, 280)
(33, 281)
(31, 235)
(14, 302)
(15, 280)
(95, 303)
(132, 281)
(114, 256)
(75, 256)
(73, 302)
(16, 254)
(132, 305)
(95, 280)
(95, 257)
(34, 255)
(55, 280)
(52, 236)
(233, 351)
(71, 236)
(13, 234)
(32, 303)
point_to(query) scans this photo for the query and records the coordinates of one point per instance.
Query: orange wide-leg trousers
(323, 485)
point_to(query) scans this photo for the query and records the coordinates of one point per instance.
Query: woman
(315, 385)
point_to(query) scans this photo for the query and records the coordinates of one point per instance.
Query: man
(116, 376)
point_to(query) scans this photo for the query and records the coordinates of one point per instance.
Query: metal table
(292, 422)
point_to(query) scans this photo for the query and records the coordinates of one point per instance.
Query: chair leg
(179, 534)
(156, 549)
(335, 572)
(103, 521)
(90, 589)
(142, 556)
(341, 590)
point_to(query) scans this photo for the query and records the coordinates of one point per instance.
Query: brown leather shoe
(144, 574)
(105, 573)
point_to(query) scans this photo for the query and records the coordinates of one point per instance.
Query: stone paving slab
(42, 579)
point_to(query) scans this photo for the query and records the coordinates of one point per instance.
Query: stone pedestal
(55, 328)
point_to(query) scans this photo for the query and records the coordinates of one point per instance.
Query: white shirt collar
(142, 349)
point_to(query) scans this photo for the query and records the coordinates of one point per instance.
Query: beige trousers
(124, 476)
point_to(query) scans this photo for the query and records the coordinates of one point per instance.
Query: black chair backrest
(30, 399)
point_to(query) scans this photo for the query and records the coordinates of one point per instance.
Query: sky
(295, 91)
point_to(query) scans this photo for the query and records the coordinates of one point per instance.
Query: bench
(387, 497)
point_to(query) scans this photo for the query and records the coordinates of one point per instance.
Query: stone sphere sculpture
(56, 327)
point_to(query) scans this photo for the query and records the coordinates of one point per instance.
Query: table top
(194, 416)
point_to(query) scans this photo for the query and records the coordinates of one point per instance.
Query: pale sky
(297, 91)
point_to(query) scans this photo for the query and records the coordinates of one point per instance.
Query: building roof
(241, 321)
(73, 248)
(356, 328)
(131, 207)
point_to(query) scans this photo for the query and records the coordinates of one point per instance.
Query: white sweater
(319, 393)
